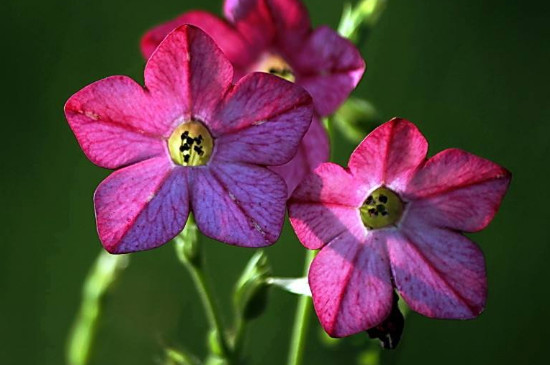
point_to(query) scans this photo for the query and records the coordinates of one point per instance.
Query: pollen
(275, 65)
(191, 144)
(382, 208)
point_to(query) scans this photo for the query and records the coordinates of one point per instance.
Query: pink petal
(189, 73)
(389, 155)
(233, 45)
(439, 273)
(329, 67)
(142, 206)
(115, 122)
(262, 120)
(351, 284)
(253, 20)
(314, 150)
(458, 190)
(320, 210)
(239, 204)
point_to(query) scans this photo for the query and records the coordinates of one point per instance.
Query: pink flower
(276, 36)
(189, 140)
(393, 218)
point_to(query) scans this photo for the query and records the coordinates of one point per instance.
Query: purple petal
(142, 206)
(252, 19)
(439, 273)
(458, 190)
(233, 45)
(314, 150)
(239, 204)
(189, 74)
(351, 284)
(389, 155)
(329, 67)
(320, 210)
(262, 120)
(115, 122)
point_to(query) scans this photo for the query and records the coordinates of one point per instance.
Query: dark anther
(372, 212)
(383, 199)
(182, 149)
(384, 213)
(199, 150)
(273, 71)
(390, 330)
(186, 158)
(185, 147)
(369, 200)
(184, 135)
(381, 208)
(189, 140)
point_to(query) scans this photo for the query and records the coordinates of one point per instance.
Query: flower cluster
(227, 127)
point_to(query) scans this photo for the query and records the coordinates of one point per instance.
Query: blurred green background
(472, 74)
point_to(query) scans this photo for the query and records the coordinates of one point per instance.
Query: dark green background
(472, 74)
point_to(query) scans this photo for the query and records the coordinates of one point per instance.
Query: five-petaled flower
(189, 140)
(276, 36)
(394, 218)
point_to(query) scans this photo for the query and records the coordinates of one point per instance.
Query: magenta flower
(393, 218)
(276, 36)
(189, 140)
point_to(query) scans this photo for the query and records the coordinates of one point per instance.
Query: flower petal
(115, 122)
(142, 206)
(389, 155)
(314, 150)
(188, 73)
(239, 204)
(320, 210)
(262, 120)
(439, 273)
(233, 45)
(329, 67)
(458, 190)
(252, 19)
(351, 285)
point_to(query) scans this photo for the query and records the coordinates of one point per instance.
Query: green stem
(301, 321)
(189, 254)
(101, 277)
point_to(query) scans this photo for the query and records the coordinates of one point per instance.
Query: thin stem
(100, 279)
(189, 253)
(212, 314)
(301, 321)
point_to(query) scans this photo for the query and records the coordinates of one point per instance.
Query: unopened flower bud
(390, 330)
(251, 291)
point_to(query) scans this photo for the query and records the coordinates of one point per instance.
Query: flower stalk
(189, 254)
(102, 276)
(301, 321)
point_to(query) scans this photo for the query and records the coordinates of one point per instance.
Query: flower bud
(251, 290)
(390, 330)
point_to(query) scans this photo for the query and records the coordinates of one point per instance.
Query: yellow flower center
(275, 65)
(382, 208)
(191, 144)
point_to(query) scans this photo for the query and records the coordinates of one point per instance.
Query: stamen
(381, 209)
(191, 144)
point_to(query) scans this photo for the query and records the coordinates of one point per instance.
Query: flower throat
(191, 144)
(382, 208)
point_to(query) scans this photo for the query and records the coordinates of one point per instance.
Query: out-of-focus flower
(276, 36)
(189, 141)
(394, 218)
